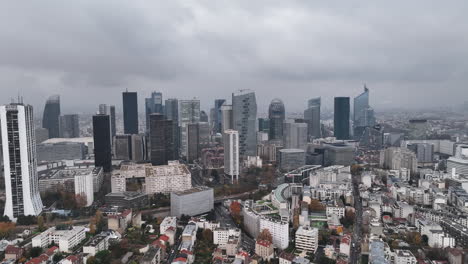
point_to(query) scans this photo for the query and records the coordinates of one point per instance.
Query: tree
(57, 257)
(35, 252)
(207, 235)
(40, 223)
(91, 260)
(6, 228)
(81, 200)
(265, 235)
(316, 206)
(103, 257)
(92, 228)
(235, 208)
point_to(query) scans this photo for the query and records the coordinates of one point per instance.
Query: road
(355, 251)
(175, 249)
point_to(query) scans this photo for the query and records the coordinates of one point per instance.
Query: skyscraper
(112, 120)
(130, 112)
(161, 143)
(341, 118)
(218, 115)
(193, 142)
(50, 118)
(312, 118)
(295, 135)
(276, 114)
(244, 113)
(231, 154)
(363, 113)
(19, 160)
(203, 116)
(171, 111)
(226, 117)
(69, 126)
(189, 112)
(102, 142)
(264, 125)
(153, 105)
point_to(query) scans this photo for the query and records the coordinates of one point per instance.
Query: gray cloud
(410, 53)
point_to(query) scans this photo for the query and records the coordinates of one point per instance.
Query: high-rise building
(226, 117)
(193, 142)
(244, 113)
(363, 113)
(294, 135)
(69, 126)
(189, 112)
(102, 142)
(161, 143)
(203, 116)
(171, 111)
(264, 125)
(153, 105)
(231, 154)
(129, 147)
(19, 160)
(109, 110)
(218, 115)
(312, 118)
(130, 112)
(277, 115)
(341, 118)
(50, 118)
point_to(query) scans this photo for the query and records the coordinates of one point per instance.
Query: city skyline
(353, 49)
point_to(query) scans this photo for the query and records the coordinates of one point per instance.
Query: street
(355, 251)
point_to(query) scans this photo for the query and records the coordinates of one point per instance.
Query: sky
(411, 54)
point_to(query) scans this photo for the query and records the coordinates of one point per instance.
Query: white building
(168, 222)
(404, 257)
(279, 230)
(96, 244)
(66, 238)
(20, 161)
(231, 154)
(307, 238)
(84, 187)
(222, 235)
(158, 179)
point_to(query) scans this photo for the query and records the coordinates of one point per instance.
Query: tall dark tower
(341, 118)
(161, 143)
(276, 114)
(50, 118)
(130, 112)
(102, 142)
(171, 111)
(218, 115)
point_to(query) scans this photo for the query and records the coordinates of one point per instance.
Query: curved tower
(50, 117)
(276, 114)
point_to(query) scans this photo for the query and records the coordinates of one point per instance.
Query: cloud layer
(410, 53)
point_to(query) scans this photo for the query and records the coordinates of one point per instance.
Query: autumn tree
(296, 219)
(316, 206)
(207, 235)
(40, 223)
(81, 200)
(265, 235)
(235, 208)
(6, 228)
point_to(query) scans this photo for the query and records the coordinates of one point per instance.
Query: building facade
(102, 142)
(276, 115)
(130, 112)
(231, 154)
(244, 116)
(69, 126)
(341, 118)
(50, 118)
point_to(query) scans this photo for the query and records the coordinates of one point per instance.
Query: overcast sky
(410, 53)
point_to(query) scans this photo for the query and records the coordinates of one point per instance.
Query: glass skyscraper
(276, 114)
(244, 113)
(341, 118)
(50, 117)
(130, 112)
(153, 105)
(102, 142)
(312, 118)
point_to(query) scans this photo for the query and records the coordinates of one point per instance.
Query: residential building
(66, 237)
(96, 244)
(307, 238)
(264, 249)
(231, 154)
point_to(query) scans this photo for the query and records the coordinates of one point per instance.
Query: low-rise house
(264, 249)
(96, 244)
(13, 252)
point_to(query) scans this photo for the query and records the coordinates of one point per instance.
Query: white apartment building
(96, 244)
(84, 187)
(168, 221)
(222, 235)
(158, 179)
(279, 231)
(231, 154)
(66, 238)
(307, 238)
(336, 210)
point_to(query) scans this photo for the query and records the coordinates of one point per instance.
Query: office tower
(276, 114)
(161, 143)
(424, 151)
(171, 111)
(138, 147)
(102, 142)
(109, 110)
(129, 147)
(189, 112)
(193, 142)
(312, 118)
(341, 118)
(203, 116)
(244, 113)
(217, 115)
(363, 113)
(50, 118)
(226, 117)
(19, 160)
(264, 125)
(69, 126)
(295, 135)
(130, 112)
(231, 154)
(153, 105)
